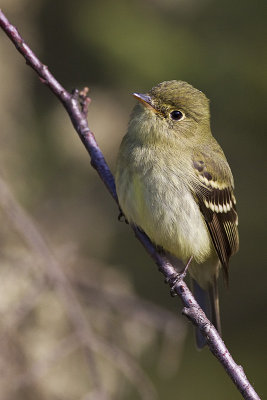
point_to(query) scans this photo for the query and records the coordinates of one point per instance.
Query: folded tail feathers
(209, 302)
(215, 306)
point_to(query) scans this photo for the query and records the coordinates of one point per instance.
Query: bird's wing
(217, 203)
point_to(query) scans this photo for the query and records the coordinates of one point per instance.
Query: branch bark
(78, 116)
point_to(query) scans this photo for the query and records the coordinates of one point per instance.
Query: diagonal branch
(78, 116)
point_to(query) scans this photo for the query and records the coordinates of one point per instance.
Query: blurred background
(84, 312)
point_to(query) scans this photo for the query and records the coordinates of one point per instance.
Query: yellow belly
(167, 212)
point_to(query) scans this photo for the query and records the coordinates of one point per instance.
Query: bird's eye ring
(177, 115)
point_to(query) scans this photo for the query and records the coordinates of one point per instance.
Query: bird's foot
(122, 218)
(179, 276)
(184, 272)
(172, 280)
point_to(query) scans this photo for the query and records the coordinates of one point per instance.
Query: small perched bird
(173, 182)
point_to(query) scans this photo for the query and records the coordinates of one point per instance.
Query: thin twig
(79, 120)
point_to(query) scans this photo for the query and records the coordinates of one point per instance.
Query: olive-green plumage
(174, 182)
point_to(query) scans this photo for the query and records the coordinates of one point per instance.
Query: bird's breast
(156, 197)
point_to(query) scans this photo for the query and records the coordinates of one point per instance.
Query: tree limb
(78, 116)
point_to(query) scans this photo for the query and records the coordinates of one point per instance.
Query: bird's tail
(209, 302)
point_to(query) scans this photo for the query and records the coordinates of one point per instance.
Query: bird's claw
(122, 218)
(172, 281)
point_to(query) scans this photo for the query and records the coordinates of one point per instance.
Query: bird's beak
(145, 99)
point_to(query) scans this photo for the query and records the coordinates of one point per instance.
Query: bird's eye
(177, 115)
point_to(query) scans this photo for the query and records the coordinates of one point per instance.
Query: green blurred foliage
(115, 48)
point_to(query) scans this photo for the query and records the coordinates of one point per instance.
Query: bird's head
(172, 109)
